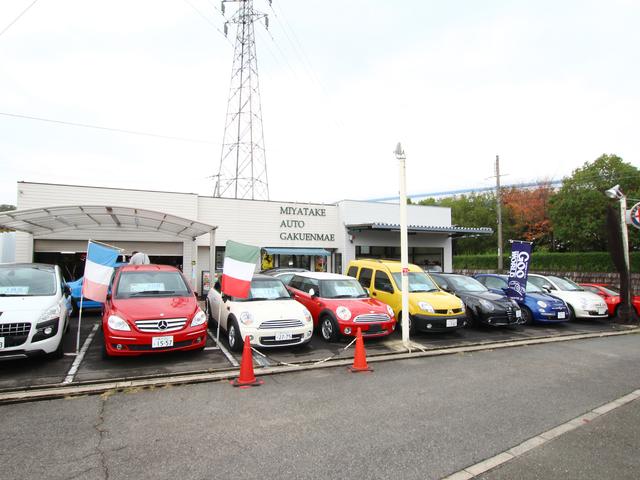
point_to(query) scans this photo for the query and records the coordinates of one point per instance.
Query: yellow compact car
(430, 308)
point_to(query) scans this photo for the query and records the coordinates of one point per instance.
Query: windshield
(151, 284)
(27, 281)
(566, 284)
(272, 289)
(532, 288)
(418, 282)
(342, 288)
(468, 284)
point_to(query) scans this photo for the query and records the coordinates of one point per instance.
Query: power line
(18, 17)
(206, 19)
(108, 129)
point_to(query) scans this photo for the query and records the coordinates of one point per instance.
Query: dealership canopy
(44, 221)
(451, 231)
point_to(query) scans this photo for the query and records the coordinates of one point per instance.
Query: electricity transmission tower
(243, 164)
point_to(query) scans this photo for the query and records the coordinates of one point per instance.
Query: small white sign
(518, 313)
(14, 290)
(162, 342)
(145, 287)
(452, 322)
(561, 315)
(1, 343)
(280, 336)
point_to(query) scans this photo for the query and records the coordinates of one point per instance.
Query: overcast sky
(547, 85)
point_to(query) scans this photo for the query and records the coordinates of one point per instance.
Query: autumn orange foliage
(529, 210)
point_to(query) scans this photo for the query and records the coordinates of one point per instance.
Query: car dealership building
(54, 222)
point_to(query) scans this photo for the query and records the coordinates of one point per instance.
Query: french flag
(98, 268)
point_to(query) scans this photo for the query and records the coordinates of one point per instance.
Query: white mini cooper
(270, 317)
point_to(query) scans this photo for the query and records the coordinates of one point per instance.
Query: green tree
(577, 210)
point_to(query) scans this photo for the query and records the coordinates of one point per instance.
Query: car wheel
(234, 337)
(412, 328)
(328, 329)
(58, 352)
(105, 355)
(527, 316)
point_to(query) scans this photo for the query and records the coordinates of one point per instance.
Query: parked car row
(152, 308)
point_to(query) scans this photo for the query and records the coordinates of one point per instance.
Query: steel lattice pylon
(243, 163)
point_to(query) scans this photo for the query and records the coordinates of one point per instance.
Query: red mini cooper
(339, 305)
(151, 309)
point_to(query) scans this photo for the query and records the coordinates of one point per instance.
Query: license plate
(161, 342)
(518, 313)
(452, 322)
(602, 311)
(561, 315)
(1, 343)
(283, 336)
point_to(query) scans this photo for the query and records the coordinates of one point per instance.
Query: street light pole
(404, 245)
(625, 305)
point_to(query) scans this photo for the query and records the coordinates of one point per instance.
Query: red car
(339, 305)
(151, 309)
(611, 296)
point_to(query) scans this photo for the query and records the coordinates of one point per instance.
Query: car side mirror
(108, 297)
(291, 294)
(368, 291)
(547, 288)
(312, 292)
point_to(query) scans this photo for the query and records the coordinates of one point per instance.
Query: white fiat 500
(582, 304)
(270, 317)
(34, 310)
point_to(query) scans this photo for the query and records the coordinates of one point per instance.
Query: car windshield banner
(520, 256)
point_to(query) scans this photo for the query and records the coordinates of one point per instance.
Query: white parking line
(533, 442)
(76, 363)
(226, 352)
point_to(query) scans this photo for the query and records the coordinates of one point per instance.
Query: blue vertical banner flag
(519, 270)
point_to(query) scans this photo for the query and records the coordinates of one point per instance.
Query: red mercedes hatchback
(151, 309)
(340, 306)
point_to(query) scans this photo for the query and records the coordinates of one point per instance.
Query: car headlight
(246, 318)
(426, 306)
(541, 304)
(117, 323)
(343, 313)
(390, 311)
(199, 318)
(307, 315)
(487, 305)
(462, 306)
(50, 313)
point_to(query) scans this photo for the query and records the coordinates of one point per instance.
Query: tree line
(571, 218)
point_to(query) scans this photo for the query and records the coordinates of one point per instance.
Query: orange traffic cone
(247, 378)
(360, 357)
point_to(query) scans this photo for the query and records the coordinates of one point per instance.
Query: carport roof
(44, 221)
(452, 231)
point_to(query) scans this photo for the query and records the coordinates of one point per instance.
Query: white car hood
(24, 309)
(578, 297)
(270, 310)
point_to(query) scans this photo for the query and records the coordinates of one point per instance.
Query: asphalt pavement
(421, 418)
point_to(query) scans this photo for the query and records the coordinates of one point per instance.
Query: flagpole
(219, 316)
(79, 323)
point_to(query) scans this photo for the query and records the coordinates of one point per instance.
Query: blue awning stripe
(318, 252)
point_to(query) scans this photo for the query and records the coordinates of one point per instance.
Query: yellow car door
(383, 289)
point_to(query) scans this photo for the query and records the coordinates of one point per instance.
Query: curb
(49, 392)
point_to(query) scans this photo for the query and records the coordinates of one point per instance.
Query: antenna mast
(243, 164)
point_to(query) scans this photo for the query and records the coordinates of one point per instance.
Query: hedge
(546, 261)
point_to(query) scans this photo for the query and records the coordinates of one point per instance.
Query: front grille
(280, 324)
(444, 311)
(15, 340)
(161, 325)
(272, 340)
(17, 329)
(372, 317)
(148, 348)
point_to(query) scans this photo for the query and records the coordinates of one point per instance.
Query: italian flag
(239, 264)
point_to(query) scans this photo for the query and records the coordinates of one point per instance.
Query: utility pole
(499, 210)
(243, 164)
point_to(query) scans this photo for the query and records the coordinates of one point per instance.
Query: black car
(483, 306)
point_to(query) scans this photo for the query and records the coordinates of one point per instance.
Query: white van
(34, 310)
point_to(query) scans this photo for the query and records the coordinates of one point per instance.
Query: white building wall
(7, 247)
(354, 212)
